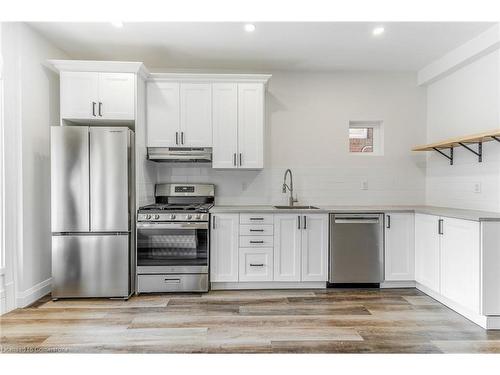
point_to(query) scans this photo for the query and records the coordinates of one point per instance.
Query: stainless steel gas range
(173, 239)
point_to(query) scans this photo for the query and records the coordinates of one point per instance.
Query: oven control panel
(156, 216)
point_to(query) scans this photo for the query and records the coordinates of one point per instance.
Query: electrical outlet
(364, 185)
(477, 187)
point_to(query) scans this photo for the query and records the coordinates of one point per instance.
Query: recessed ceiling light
(378, 30)
(249, 27)
(117, 24)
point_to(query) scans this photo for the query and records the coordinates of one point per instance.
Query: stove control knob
(172, 217)
(157, 217)
(148, 217)
(198, 217)
(189, 216)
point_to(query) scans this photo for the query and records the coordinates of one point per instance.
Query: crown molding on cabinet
(99, 66)
(211, 78)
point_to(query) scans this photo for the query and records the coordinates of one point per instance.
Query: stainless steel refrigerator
(93, 211)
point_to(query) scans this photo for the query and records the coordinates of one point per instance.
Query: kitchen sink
(296, 207)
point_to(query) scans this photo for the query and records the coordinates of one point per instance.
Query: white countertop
(430, 210)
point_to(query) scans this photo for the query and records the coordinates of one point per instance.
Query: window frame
(378, 136)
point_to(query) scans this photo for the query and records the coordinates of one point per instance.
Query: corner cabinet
(97, 96)
(399, 247)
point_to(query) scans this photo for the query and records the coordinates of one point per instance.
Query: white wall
(464, 102)
(307, 130)
(32, 106)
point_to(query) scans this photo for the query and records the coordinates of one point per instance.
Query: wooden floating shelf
(478, 138)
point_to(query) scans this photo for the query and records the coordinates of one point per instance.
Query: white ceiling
(273, 46)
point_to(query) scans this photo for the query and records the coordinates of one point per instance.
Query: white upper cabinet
(238, 115)
(225, 125)
(427, 249)
(196, 114)
(251, 125)
(116, 96)
(163, 114)
(224, 247)
(399, 247)
(287, 245)
(315, 247)
(79, 95)
(97, 96)
(460, 253)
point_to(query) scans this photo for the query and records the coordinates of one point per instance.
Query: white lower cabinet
(315, 248)
(448, 261)
(282, 248)
(399, 247)
(460, 262)
(256, 264)
(427, 248)
(224, 246)
(287, 245)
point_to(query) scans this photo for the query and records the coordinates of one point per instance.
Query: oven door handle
(142, 225)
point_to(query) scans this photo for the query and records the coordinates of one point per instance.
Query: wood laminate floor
(274, 321)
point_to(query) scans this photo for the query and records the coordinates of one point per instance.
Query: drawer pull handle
(256, 241)
(256, 218)
(257, 264)
(172, 281)
(256, 230)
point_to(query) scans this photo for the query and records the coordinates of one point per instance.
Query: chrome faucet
(291, 199)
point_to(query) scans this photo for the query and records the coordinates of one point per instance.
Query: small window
(366, 137)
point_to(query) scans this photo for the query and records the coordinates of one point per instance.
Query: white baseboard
(397, 284)
(7, 300)
(479, 319)
(34, 293)
(268, 285)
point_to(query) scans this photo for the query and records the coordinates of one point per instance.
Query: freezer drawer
(356, 248)
(90, 266)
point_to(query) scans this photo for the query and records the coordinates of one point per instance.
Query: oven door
(179, 247)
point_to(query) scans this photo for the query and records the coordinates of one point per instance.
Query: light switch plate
(477, 187)
(364, 185)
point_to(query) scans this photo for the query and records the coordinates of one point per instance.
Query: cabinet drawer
(256, 230)
(256, 264)
(256, 241)
(172, 283)
(256, 219)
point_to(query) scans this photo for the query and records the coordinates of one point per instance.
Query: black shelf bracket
(449, 157)
(495, 138)
(479, 152)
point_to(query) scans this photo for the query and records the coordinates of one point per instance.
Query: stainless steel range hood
(180, 154)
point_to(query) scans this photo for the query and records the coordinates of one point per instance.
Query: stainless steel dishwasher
(356, 248)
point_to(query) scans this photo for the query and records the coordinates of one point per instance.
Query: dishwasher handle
(356, 220)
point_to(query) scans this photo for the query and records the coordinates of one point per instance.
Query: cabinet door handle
(241, 159)
(182, 138)
(100, 109)
(256, 230)
(172, 281)
(93, 108)
(305, 222)
(256, 241)
(213, 222)
(388, 226)
(234, 159)
(256, 264)
(256, 218)
(440, 226)
(298, 221)
(176, 138)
